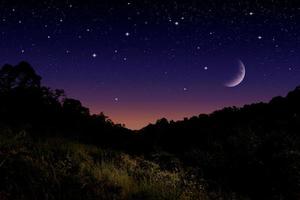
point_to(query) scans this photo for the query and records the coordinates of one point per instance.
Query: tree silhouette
(20, 76)
(26, 104)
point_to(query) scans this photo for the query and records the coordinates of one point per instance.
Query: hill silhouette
(27, 105)
(252, 152)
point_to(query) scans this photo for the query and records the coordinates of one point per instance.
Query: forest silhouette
(252, 152)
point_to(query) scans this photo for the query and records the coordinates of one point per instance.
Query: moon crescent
(239, 77)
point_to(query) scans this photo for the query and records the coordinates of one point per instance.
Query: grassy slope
(60, 169)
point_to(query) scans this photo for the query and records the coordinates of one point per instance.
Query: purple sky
(138, 61)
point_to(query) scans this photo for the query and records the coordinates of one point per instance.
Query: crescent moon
(239, 77)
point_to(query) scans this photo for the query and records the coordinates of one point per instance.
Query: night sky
(141, 60)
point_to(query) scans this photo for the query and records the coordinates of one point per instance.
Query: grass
(61, 169)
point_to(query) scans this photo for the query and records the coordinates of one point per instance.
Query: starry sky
(141, 60)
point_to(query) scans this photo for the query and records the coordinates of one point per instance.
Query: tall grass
(60, 169)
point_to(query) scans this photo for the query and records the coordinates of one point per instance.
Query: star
(185, 89)
(176, 23)
(48, 36)
(116, 99)
(251, 13)
(127, 34)
(205, 68)
(94, 55)
(259, 37)
(22, 51)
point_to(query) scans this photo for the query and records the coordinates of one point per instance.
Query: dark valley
(52, 147)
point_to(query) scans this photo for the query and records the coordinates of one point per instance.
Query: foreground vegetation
(60, 169)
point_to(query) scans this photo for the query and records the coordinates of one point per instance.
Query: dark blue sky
(142, 60)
